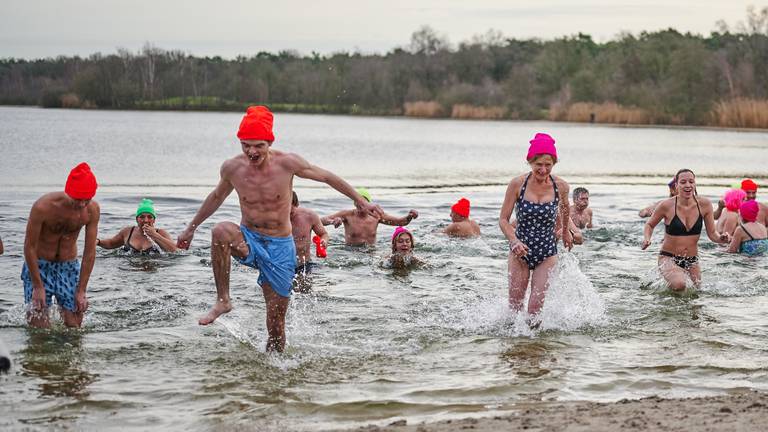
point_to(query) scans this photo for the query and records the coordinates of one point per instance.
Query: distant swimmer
(305, 221)
(402, 250)
(461, 225)
(263, 179)
(750, 188)
(51, 268)
(648, 211)
(751, 236)
(360, 226)
(581, 214)
(540, 199)
(145, 240)
(728, 220)
(684, 216)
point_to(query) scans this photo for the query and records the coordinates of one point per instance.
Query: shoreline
(373, 115)
(747, 410)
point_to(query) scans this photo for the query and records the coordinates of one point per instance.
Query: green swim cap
(146, 206)
(364, 192)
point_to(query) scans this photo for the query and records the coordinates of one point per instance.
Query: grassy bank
(735, 113)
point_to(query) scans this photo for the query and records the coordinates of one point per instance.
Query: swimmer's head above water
(460, 210)
(402, 241)
(542, 155)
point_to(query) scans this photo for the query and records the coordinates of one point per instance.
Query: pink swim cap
(399, 230)
(749, 210)
(733, 199)
(541, 144)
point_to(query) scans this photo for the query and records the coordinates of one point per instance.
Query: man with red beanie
(51, 268)
(461, 225)
(750, 187)
(263, 180)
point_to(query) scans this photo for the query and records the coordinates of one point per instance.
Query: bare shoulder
(291, 161)
(561, 184)
(705, 202)
(666, 203)
(232, 164)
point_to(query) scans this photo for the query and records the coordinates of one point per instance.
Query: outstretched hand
(372, 209)
(185, 239)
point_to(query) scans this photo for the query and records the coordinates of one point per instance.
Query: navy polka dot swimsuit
(536, 226)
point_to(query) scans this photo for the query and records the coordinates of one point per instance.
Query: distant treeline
(662, 77)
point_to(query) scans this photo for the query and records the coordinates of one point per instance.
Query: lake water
(368, 345)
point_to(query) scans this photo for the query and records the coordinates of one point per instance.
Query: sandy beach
(738, 412)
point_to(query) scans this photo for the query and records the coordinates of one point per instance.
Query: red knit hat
(461, 208)
(81, 183)
(256, 124)
(748, 185)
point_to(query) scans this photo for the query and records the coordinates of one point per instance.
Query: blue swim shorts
(274, 257)
(59, 279)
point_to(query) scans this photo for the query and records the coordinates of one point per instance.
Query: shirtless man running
(50, 266)
(360, 226)
(263, 180)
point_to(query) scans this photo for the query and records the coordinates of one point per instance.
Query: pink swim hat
(541, 144)
(399, 230)
(749, 210)
(733, 199)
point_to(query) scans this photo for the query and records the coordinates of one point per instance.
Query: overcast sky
(43, 28)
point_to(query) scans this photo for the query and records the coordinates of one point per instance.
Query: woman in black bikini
(146, 239)
(684, 216)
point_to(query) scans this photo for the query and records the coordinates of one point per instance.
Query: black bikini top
(128, 248)
(677, 228)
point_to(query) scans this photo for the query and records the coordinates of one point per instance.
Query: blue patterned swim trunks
(274, 257)
(59, 279)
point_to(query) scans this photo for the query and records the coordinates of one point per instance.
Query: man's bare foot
(220, 308)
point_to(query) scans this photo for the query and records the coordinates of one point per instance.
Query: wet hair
(295, 200)
(394, 240)
(683, 171)
(578, 191)
(533, 159)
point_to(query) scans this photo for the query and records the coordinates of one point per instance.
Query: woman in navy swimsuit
(541, 201)
(684, 216)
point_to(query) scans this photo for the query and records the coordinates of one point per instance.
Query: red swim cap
(748, 185)
(256, 124)
(81, 183)
(461, 208)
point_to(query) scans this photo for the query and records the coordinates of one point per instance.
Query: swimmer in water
(729, 217)
(402, 250)
(360, 226)
(648, 211)
(684, 217)
(461, 225)
(751, 236)
(145, 240)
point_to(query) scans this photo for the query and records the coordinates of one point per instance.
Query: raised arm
(89, 255)
(211, 203)
(335, 219)
(709, 223)
(113, 242)
(399, 221)
(161, 237)
(719, 209)
(304, 169)
(644, 213)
